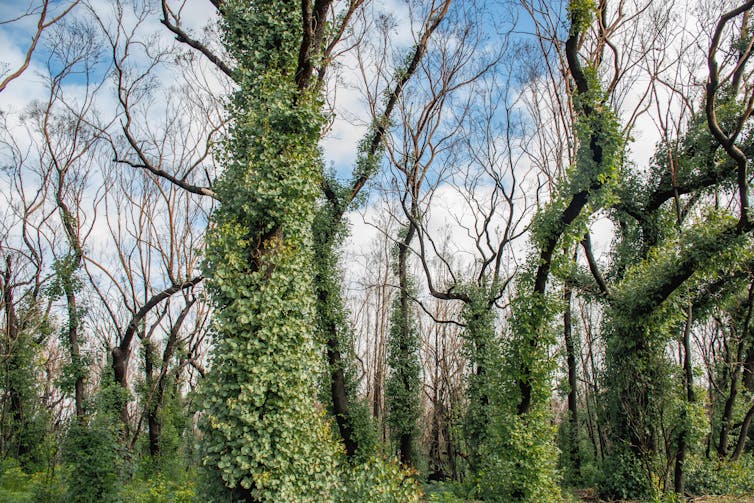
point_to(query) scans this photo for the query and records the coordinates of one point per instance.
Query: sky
(349, 124)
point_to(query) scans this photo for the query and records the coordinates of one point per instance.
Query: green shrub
(96, 460)
(720, 477)
(16, 486)
(378, 481)
(624, 476)
(158, 490)
(518, 462)
(444, 492)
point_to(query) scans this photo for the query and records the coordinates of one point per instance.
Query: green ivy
(403, 384)
(262, 431)
(265, 437)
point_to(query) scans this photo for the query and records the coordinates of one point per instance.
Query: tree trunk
(329, 310)
(688, 381)
(11, 349)
(120, 358)
(743, 435)
(573, 411)
(405, 354)
(727, 417)
(73, 342)
(154, 425)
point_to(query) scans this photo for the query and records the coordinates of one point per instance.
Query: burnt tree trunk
(573, 408)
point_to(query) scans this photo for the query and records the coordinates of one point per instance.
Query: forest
(376, 251)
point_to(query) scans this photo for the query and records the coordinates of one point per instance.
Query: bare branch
(172, 23)
(42, 24)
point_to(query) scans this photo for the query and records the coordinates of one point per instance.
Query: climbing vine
(403, 384)
(262, 431)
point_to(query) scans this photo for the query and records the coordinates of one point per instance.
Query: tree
(261, 426)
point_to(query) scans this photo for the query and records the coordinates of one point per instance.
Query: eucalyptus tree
(329, 231)
(146, 282)
(65, 146)
(27, 403)
(668, 225)
(460, 140)
(263, 435)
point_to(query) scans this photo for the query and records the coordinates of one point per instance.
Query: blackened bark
(737, 367)
(340, 404)
(688, 382)
(573, 410)
(406, 437)
(122, 352)
(328, 301)
(743, 434)
(10, 348)
(727, 417)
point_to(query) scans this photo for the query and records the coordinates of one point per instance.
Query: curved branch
(149, 305)
(194, 189)
(586, 243)
(713, 84)
(41, 26)
(185, 38)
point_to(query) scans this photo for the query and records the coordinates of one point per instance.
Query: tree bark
(406, 437)
(688, 381)
(573, 410)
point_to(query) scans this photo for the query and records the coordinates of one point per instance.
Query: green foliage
(581, 14)
(404, 381)
(16, 486)
(719, 477)
(263, 438)
(646, 310)
(624, 476)
(589, 185)
(96, 461)
(378, 481)
(482, 349)
(67, 282)
(25, 421)
(159, 489)
(520, 464)
(519, 461)
(513, 456)
(444, 492)
(176, 442)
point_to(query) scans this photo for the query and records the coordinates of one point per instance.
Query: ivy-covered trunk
(335, 333)
(263, 433)
(69, 284)
(685, 427)
(573, 405)
(479, 341)
(14, 438)
(402, 387)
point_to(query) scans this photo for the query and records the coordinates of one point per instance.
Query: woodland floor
(589, 495)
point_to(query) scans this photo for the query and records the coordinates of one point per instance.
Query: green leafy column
(334, 332)
(481, 348)
(404, 382)
(263, 433)
(518, 455)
